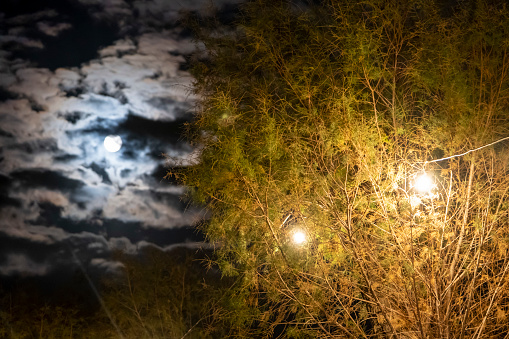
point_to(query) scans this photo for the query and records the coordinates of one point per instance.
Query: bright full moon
(112, 143)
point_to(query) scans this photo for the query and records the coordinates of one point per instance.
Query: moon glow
(112, 143)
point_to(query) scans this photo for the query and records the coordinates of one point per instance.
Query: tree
(320, 118)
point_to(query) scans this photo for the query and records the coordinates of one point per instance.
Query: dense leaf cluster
(317, 118)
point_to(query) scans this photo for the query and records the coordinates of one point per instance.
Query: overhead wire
(465, 153)
(96, 293)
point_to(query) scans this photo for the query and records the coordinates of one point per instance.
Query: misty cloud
(119, 70)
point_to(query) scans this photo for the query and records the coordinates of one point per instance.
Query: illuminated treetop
(321, 119)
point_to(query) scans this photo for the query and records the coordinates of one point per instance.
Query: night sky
(71, 73)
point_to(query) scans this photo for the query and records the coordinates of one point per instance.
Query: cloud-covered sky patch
(71, 73)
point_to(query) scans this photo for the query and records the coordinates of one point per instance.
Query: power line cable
(465, 153)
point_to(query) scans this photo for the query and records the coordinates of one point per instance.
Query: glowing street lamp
(299, 237)
(423, 183)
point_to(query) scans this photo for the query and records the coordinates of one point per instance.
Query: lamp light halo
(299, 237)
(423, 183)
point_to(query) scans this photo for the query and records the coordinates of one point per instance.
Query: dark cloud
(54, 42)
(16, 263)
(101, 172)
(165, 131)
(46, 178)
(8, 201)
(5, 182)
(5, 200)
(6, 95)
(51, 29)
(34, 251)
(35, 146)
(73, 117)
(51, 215)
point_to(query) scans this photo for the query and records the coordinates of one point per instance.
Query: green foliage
(318, 118)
